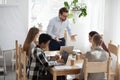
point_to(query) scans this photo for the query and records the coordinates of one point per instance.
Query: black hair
(44, 38)
(92, 33)
(63, 9)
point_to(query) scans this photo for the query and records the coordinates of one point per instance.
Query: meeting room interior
(59, 40)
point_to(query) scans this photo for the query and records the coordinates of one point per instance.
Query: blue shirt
(56, 28)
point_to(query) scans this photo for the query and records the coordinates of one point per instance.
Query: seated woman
(113, 67)
(97, 54)
(91, 34)
(31, 39)
(31, 42)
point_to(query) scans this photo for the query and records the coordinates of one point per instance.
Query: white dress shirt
(56, 28)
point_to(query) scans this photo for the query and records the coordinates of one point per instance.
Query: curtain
(112, 18)
(41, 11)
(112, 22)
(96, 15)
(12, 27)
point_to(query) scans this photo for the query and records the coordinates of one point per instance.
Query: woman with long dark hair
(91, 34)
(31, 39)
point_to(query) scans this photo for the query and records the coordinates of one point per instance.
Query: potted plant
(39, 25)
(76, 7)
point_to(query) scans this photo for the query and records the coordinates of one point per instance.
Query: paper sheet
(79, 65)
(62, 67)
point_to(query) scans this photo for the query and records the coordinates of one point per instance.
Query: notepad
(62, 67)
(79, 65)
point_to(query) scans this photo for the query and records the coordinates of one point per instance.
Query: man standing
(56, 29)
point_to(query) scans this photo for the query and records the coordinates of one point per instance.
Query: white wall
(13, 23)
(94, 21)
(81, 29)
(112, 18)
(11, 1)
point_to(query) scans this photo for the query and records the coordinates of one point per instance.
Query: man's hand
(73, 37)
(82, 55)
(58, 40)
(60, 61)
(56, 57)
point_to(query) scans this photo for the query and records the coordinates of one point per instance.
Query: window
(41, 11)
(3, 1)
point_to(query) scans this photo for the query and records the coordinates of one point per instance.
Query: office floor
(9, 76)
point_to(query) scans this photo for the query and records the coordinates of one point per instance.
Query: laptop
(64, 57)
(68, 49)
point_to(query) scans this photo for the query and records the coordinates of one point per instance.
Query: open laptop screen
(64, 56)
(68, 49)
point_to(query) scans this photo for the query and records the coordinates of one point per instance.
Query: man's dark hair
(92, 33)
(44, 38)
(63, 9)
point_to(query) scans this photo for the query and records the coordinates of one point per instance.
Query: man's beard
(63, 19)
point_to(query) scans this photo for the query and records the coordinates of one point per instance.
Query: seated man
(38, 68)
(97, 54)
(38, 65)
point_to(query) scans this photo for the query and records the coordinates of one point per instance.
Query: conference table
(67, 69)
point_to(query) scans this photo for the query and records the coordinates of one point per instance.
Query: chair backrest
(24, 65)
(92, 67)
(113, 49)
(17, 60)
(1, 52)
(21, 60)
(17, 53)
